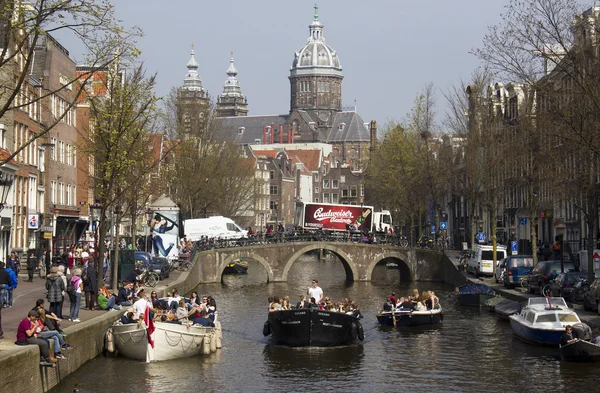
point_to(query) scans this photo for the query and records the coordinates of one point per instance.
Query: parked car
(564, 284)
(517, 269)
(160, 265)
(545, 271)
(591, 297)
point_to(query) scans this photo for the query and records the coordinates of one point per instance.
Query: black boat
(474, 294)
(580, 351)
(506, 308)
(312, 328)
(236, 267)
(410, 318)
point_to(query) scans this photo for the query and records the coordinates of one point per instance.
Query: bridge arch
(349, 265)
(249, 255)
(403, 266)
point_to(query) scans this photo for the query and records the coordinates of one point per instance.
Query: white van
(582, 261)
(217, 227)
(482, 261)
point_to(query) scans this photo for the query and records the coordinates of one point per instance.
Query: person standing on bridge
(315, 291)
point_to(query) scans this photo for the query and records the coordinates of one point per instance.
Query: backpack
(71, 289)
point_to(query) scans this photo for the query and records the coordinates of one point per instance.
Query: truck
(382, 221)
(213, 227)
(333, 217)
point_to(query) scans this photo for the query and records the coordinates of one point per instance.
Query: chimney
(281, 134)
(373, 135)
(272, 132)
(264, 135)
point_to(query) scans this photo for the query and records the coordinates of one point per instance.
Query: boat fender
(441, 316)
(354, 332)
(110, 341)
(213, 342)
(219, 334)
(206, 345)
(266, 329)
(360, 332)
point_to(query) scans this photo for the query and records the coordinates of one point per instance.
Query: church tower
(192, 100)
(232, 102)
(316, 77)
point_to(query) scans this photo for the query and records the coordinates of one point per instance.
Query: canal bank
(20, 367)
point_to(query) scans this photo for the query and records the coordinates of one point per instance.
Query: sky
(389, 49)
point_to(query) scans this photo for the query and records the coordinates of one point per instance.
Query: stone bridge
(359, 260)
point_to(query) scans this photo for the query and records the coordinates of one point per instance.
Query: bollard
(206, 345)
(219, 332)
(213, 342)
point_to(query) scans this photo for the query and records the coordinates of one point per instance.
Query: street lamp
(6, 181)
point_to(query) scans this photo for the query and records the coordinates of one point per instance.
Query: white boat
(171, 341)
(543, 320)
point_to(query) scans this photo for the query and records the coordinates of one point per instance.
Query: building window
(3, 132)
(334, 198)
(353, 192)
(272, 205)
(325, 184)
(61, 152)
(345, 193)
(317, 190)
(272, 175)
(69, 156)
(316, 177)
(334, 183)
(326, 197)
(316, 200)
(273, 190)
(61, 193)
(53, 191)
(257, 141)
(54, 147)
(68, 198)
(342, 179)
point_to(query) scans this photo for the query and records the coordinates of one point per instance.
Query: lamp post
(276, 216)
(6, 182)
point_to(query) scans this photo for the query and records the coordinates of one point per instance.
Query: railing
(308, 236)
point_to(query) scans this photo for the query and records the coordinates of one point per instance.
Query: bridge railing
(261, 238)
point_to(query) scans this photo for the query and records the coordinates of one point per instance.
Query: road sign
(523, 221)
(443, 225)
(433, 229)
(596, 257)
(481, 237)
(514, 246)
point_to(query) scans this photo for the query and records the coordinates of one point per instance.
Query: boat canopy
(475, 289)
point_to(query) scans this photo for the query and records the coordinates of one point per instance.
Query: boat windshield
(571, 318)
(542, 301)
(546, 318)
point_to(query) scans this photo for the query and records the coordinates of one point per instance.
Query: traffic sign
(443, 225)
(480, 237)
(433, 229)
(514, 246)
(523, 221)
(596, 257)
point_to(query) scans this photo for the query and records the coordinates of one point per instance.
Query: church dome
(316, 57)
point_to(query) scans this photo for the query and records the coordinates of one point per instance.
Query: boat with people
(313, 328)
(474, 294)
(400, 317)
(171, 340)
(236, 267)
(580, 351)
(543, 320)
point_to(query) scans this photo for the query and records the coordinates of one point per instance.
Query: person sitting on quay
(125, 294)
(26, 335)
(47, 317)
(44, 332)
(107, 303)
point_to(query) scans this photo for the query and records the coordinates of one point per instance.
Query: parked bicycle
(148, 277)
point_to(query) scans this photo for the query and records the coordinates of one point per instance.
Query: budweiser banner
(337, 217)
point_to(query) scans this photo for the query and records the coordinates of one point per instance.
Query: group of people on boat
(316, 301)
(173, 309)
(424, 301)
(578, 331)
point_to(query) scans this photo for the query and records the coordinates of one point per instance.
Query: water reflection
(308, 361)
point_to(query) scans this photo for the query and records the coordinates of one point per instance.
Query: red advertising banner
(337, 217)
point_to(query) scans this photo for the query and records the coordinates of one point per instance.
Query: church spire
(232, 102)
(192, 79)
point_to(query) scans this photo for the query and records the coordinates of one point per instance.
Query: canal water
(470, 351)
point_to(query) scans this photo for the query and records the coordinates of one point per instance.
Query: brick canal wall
(19, 365)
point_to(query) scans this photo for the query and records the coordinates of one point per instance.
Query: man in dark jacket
(31, 262)
(90, 285)
(4, 283)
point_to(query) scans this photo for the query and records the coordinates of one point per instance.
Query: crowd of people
(426, 300)
(173, 309)
(316, 301)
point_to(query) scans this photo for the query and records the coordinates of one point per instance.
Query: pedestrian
(54, 286)
(41, 262)
(4, 282)
(75, 297)
(11, 286)
(31, 262)
(63, 277)
(12, 263)
(90, 285)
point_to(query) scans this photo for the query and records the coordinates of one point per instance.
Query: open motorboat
(580, 351)
(312, 327)
(543, 320)
(506, 308)
(171, 340)
(401, 317)
(236, 267)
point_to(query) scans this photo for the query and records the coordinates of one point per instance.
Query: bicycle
(148, 277)
(525, 283)
(183, 264)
